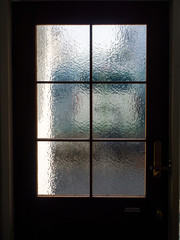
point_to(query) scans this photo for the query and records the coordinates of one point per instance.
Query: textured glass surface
(63, 168)
(63, 110)
(119, 52)
(62, 52)
(119, 168)
(119, 110)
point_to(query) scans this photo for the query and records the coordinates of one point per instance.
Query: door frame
(108, 210)
(6, 117)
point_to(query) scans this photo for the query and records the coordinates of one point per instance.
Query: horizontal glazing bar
(87, 196)
(73, 82)
(88, 140)
(120, 82)
(64, 196)
(61, 82)
(117, 196)
(63, 139)
(118, 140)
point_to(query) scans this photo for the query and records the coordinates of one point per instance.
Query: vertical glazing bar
(91, 111)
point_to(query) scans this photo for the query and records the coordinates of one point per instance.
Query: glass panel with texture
(85, 121)
(62, 52)
(118, 169)
(63, 110)
(119, 110)
(63, 168)
(119, 53)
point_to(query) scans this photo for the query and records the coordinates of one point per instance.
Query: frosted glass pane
(119, 53)
(62, 52)
(119, 110)
(63, 168)
(63, 110)
(118, 168)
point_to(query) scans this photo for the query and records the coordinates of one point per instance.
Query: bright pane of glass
(63, 168)
(119, 110)
(62, 52)
(63, 110)
(119, 52)
(118, 169)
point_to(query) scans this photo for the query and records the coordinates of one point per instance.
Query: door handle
(157, 166)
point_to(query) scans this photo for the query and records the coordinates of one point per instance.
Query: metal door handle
(157, 159)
